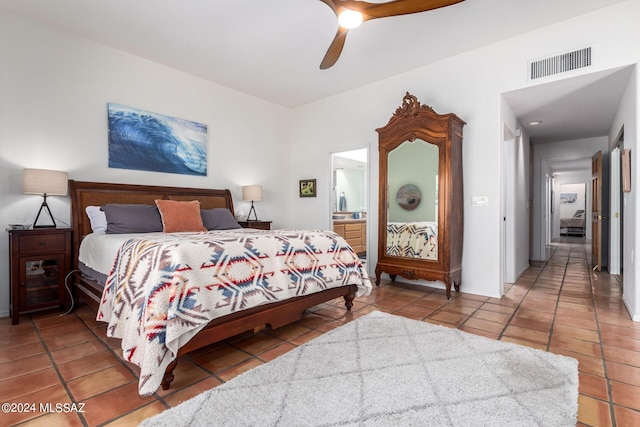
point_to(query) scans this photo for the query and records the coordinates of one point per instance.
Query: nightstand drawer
(42, 243)
(259, 225)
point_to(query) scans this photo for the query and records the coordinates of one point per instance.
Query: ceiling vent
(560, 63)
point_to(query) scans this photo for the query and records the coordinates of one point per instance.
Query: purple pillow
(218, 219)
(125, 218)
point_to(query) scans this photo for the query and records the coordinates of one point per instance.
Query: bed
(191, 321)
(574, 225)
(412, 240)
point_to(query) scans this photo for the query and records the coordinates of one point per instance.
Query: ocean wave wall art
(147, 141)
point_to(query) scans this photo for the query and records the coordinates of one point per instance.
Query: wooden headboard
(85, 194)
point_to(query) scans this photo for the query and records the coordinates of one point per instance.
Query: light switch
(480, 201)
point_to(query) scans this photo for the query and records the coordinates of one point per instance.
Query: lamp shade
(252, 193)
(44, 181)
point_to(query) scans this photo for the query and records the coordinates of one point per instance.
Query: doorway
(349, 197)
(573, 209)
(617, 198)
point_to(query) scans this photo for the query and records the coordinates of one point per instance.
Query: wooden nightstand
(40, 261)
(260, 225)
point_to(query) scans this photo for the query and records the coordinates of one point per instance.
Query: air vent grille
(561, 63)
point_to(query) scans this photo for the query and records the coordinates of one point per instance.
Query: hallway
(566, 308)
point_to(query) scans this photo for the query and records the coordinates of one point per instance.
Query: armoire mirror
(413, 213)
(420, 213)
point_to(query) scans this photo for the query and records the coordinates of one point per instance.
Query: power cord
(66, 285)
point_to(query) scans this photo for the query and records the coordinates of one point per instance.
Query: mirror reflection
(412, 216)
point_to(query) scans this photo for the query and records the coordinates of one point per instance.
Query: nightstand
(40, 261)
(260, 225)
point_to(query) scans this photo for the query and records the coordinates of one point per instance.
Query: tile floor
(563, 308)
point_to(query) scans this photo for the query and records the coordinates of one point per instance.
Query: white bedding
(98, 251)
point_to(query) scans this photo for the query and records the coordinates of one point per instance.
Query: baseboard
(634, 316)
(519, 275)
(537, 263)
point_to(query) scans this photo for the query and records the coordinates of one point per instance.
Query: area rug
(386, 370)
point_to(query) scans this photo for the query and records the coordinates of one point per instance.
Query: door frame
(367, 185)
(507, 252)
(616, 236)
(596, 211)
(614, 223)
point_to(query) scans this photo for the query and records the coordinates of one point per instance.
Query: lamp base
(254, 213)
(44, 206)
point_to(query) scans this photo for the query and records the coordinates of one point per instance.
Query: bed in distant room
(574, 225)
(195, 277)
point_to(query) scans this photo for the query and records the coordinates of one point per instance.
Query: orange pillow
(178, 216)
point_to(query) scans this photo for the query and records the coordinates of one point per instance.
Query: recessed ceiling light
(534, 122)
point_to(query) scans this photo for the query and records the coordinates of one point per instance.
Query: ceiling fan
(352, 13)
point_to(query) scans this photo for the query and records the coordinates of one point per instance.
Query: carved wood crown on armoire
(420, 225)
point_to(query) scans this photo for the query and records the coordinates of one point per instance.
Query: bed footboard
(271, 316)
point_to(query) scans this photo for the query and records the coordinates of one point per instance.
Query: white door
(508, 206)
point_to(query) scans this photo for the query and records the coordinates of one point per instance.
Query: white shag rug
(386, 370)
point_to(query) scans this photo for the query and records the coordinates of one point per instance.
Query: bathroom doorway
(349, 197)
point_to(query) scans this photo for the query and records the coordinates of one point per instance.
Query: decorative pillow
(179, 216)
(219, 219)
(131, 218)
(97, 218)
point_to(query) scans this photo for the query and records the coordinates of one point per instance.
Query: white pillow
(97, 218)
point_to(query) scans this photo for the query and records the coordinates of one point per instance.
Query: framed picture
(307, 188)
(568, 198)
(147, 141)
(626, 170)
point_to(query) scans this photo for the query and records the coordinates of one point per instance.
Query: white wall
(54, 90)
(469, 85)
(516, 194)
(628, 116)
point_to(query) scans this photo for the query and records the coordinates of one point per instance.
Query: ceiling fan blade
(373, 11)
(335, 49)
(331, 5)
(393, 8)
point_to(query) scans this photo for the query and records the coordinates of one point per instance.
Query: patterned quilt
(164, 288)
(413, 239)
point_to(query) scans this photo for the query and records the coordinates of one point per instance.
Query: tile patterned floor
(564, 308)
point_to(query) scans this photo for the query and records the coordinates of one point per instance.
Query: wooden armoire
(420, 228)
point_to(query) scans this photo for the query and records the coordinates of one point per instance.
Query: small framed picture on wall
(307, 188)
(626, 170)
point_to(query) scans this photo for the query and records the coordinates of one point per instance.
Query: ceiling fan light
(349, 19)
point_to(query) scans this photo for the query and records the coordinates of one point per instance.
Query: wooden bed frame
(272, 316)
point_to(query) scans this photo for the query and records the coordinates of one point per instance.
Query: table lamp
(46, 183)
(252, 193)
